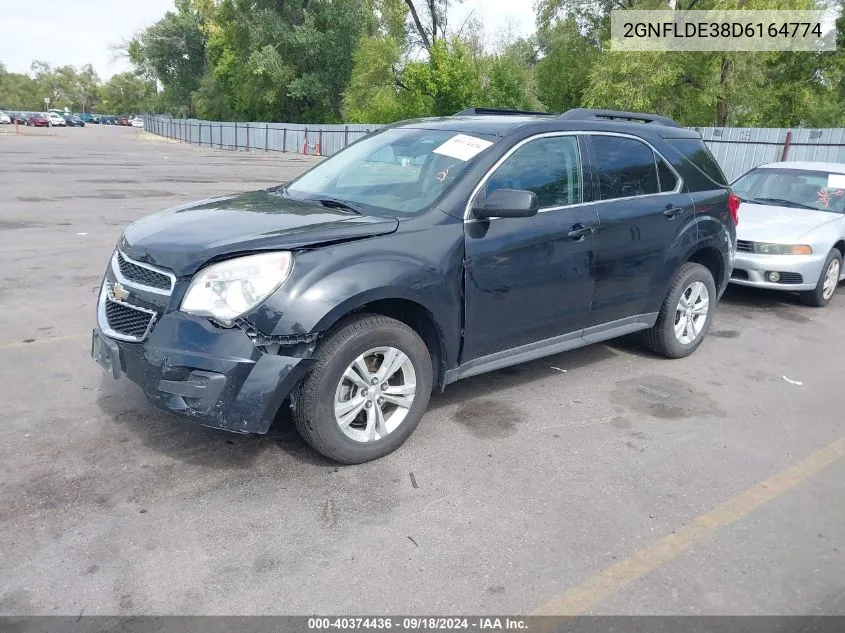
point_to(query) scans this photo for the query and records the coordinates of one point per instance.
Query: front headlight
(226, 290)
(765, 248)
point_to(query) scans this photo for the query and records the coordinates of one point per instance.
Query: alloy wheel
(831, 279)
(691, 312)
(375, 394)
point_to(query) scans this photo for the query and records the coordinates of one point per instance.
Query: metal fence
(739, 149)
(297, 138)
(736, 149)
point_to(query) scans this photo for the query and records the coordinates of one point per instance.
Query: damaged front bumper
(214, 376)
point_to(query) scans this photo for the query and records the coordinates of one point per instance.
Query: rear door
(530, 279)
(641, 215)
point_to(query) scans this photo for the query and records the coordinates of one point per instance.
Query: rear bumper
(750, 269)
(212, 376)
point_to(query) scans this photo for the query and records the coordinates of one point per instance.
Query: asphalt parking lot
(601, 481)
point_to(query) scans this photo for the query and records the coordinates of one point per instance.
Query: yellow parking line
(43, 341)
(586, 596)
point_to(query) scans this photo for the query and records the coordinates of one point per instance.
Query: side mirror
(507, 203)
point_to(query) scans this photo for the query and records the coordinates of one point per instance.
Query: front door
(530, 279)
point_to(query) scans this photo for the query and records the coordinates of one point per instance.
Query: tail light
(733, 206)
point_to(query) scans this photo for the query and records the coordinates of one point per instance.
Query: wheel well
(840, 246)
(711, 259)
(421, 321)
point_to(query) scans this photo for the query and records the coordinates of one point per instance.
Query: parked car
(792, 236)
(123, 120)
(19, 117)
(56, 120)
(108, 120)
(4, 119)
(74, 121)
(430, 251)
(137, 122)
(39, 120)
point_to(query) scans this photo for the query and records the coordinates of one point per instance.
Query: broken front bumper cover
(213, 376)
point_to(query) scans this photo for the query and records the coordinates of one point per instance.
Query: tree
(127, 93)
(563, 73)
(18, 91)
(429, 19)
(447, 82)
(172, 52)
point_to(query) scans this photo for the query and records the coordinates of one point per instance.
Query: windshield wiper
(334, 203)
(788, 203)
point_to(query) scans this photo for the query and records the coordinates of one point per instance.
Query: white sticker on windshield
(462, 147)
(836, 181)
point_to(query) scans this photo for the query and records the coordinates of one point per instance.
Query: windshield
(797, 188)
(399, 170)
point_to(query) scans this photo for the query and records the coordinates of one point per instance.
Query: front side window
(398, 171)
(796, 188)
(625, 166)
(550, 167)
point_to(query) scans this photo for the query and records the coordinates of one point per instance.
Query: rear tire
(824, 292)
(351, 368)
(685, 316)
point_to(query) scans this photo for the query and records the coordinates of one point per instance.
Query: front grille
(744, 246)
(738, 273)
(142, 275)
(127, 320)
(791, 278)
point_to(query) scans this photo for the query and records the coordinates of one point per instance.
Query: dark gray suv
(427, 252)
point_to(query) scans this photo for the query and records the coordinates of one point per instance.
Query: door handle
(671, 211)
(578, 232)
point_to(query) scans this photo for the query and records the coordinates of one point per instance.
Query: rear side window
(550, 167)
(695, 151)
(625, 167)
(668, 179)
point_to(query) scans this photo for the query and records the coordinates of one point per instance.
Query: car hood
(768, 223)
(184, 238)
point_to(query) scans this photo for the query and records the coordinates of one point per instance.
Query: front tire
(685, 316)
(828, 280)
(367, 392)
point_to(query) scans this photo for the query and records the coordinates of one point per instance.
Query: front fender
(330, 282)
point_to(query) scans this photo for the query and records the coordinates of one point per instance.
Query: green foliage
(564, 72)
(127, 93)
(18, 91)
(447, 82)
(172, 51)
(378, 61)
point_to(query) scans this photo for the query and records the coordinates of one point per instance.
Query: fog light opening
(773, 277)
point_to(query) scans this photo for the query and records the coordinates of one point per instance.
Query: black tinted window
(625, 167)
(550, 167)
(668, 179)
(696, 152)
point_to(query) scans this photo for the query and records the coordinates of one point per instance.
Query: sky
(78, 32)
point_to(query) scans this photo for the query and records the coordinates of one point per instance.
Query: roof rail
(583, 114)
(497, 111)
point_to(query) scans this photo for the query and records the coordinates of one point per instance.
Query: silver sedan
(791, 232)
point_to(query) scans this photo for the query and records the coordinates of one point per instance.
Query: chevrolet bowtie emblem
(120, 293)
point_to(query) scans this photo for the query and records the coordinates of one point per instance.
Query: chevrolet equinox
(429, 251)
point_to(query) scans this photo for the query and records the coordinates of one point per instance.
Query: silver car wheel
(831, 279)
(375, 394)
(691, 313)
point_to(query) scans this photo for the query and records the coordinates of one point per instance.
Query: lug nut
(374, 380)
(368, 404)
(364, 392)
(384, 387)
(380, 401)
